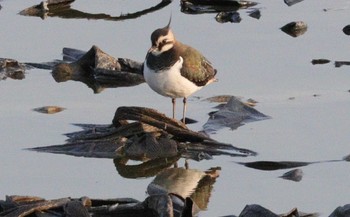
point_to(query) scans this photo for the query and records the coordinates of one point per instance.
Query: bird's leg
(173, 100)
(184, 110)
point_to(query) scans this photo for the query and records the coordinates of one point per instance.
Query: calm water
(254, 59)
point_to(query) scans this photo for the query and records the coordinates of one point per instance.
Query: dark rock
(275, 165)
(320, 61)
(49, 109)
(150, 135)
(346, 30)
(255, 210)
(341, 63)
(210, 6)
(10, 68)
(255, 13)
(292, 2)
(224, 17)
(295, 29)
(293, 175)
(98, 70)
(341, 211)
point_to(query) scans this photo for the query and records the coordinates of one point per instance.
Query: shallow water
(254, 58)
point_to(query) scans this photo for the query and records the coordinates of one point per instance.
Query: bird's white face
(162, 42)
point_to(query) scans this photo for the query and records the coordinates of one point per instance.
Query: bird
(175, 70)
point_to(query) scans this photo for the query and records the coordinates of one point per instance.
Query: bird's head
(162, 40)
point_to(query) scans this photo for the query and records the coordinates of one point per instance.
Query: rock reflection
(145, 169)
(62, 9)
(232, 114)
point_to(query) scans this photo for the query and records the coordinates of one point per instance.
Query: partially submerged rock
(149, 136)
(320, 61)
(98, 70)
(210, 6)
(155, 205)
(293, 175)
(49, 109)
(275, 165)
(224, 17)
(341, 211)
(255, 13)
(346, 30)
(292, 2)
(10, 68)
(341, 63)
(295, 29)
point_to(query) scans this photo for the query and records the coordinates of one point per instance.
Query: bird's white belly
(170, 83)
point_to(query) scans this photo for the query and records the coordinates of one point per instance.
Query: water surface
(254, 58)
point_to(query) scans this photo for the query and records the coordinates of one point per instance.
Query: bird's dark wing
(196, 67)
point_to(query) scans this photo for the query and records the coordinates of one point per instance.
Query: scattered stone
(274, 165)
(295, 29)
(208, 6)
(293, 175)
(255, 210)
(347, 158)
(341, 211)
(341, 63)
(292, 2)
(320, 61)
(346, 30)
(224, 17)
(49, 109)
(10, 68)
(255, 13)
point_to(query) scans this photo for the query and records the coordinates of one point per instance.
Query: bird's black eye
(164, 41)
